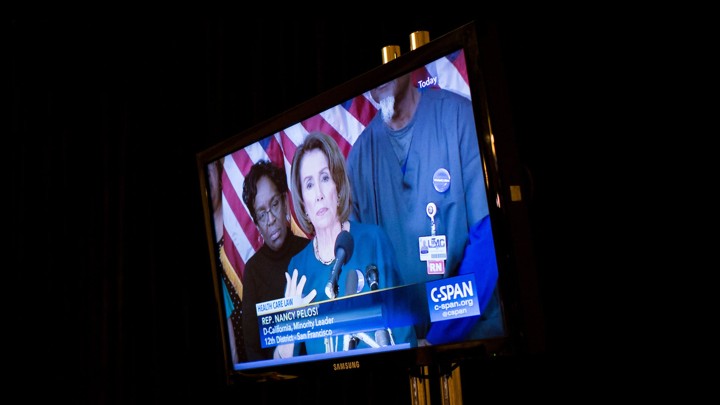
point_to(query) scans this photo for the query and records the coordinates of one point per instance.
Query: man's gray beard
(387, 108)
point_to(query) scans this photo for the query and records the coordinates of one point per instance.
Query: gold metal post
(418, 39)
(389, 53)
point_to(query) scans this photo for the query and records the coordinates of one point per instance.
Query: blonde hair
(336, 162)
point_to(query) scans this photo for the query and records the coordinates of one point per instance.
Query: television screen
(378, 220)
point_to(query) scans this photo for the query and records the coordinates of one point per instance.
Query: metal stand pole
(447, 381)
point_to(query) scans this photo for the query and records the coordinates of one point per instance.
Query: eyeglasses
(263, 217)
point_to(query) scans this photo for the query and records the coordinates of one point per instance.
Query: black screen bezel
(519, 295)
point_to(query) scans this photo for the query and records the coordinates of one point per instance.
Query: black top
(264, 280)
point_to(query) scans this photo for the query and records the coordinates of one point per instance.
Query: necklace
(317, 254)
(345, 227)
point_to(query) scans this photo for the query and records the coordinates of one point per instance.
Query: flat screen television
(452, 210)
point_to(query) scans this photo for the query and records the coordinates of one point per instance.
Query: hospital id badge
(432, 248)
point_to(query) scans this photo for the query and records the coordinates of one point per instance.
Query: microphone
(354, 340)
(371, 273)
(382, 337)
(344, 246)
(351, 283)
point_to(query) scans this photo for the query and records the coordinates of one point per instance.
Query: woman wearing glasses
(265, 194)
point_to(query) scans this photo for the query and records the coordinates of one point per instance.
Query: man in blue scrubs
(416, 171)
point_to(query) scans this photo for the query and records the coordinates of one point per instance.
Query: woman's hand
(294, 289)
(284, 351)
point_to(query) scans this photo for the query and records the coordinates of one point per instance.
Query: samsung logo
(347, 365)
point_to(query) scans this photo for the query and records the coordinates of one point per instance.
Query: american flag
(343, 122)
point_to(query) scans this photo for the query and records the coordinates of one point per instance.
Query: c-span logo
(452, 298)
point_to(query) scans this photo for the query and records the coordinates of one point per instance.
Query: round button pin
(441, 180)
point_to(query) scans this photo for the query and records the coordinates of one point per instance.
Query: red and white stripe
(344, 122)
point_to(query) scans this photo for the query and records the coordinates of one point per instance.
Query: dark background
(109, 291)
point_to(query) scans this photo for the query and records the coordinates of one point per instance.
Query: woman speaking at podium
(321, 198)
